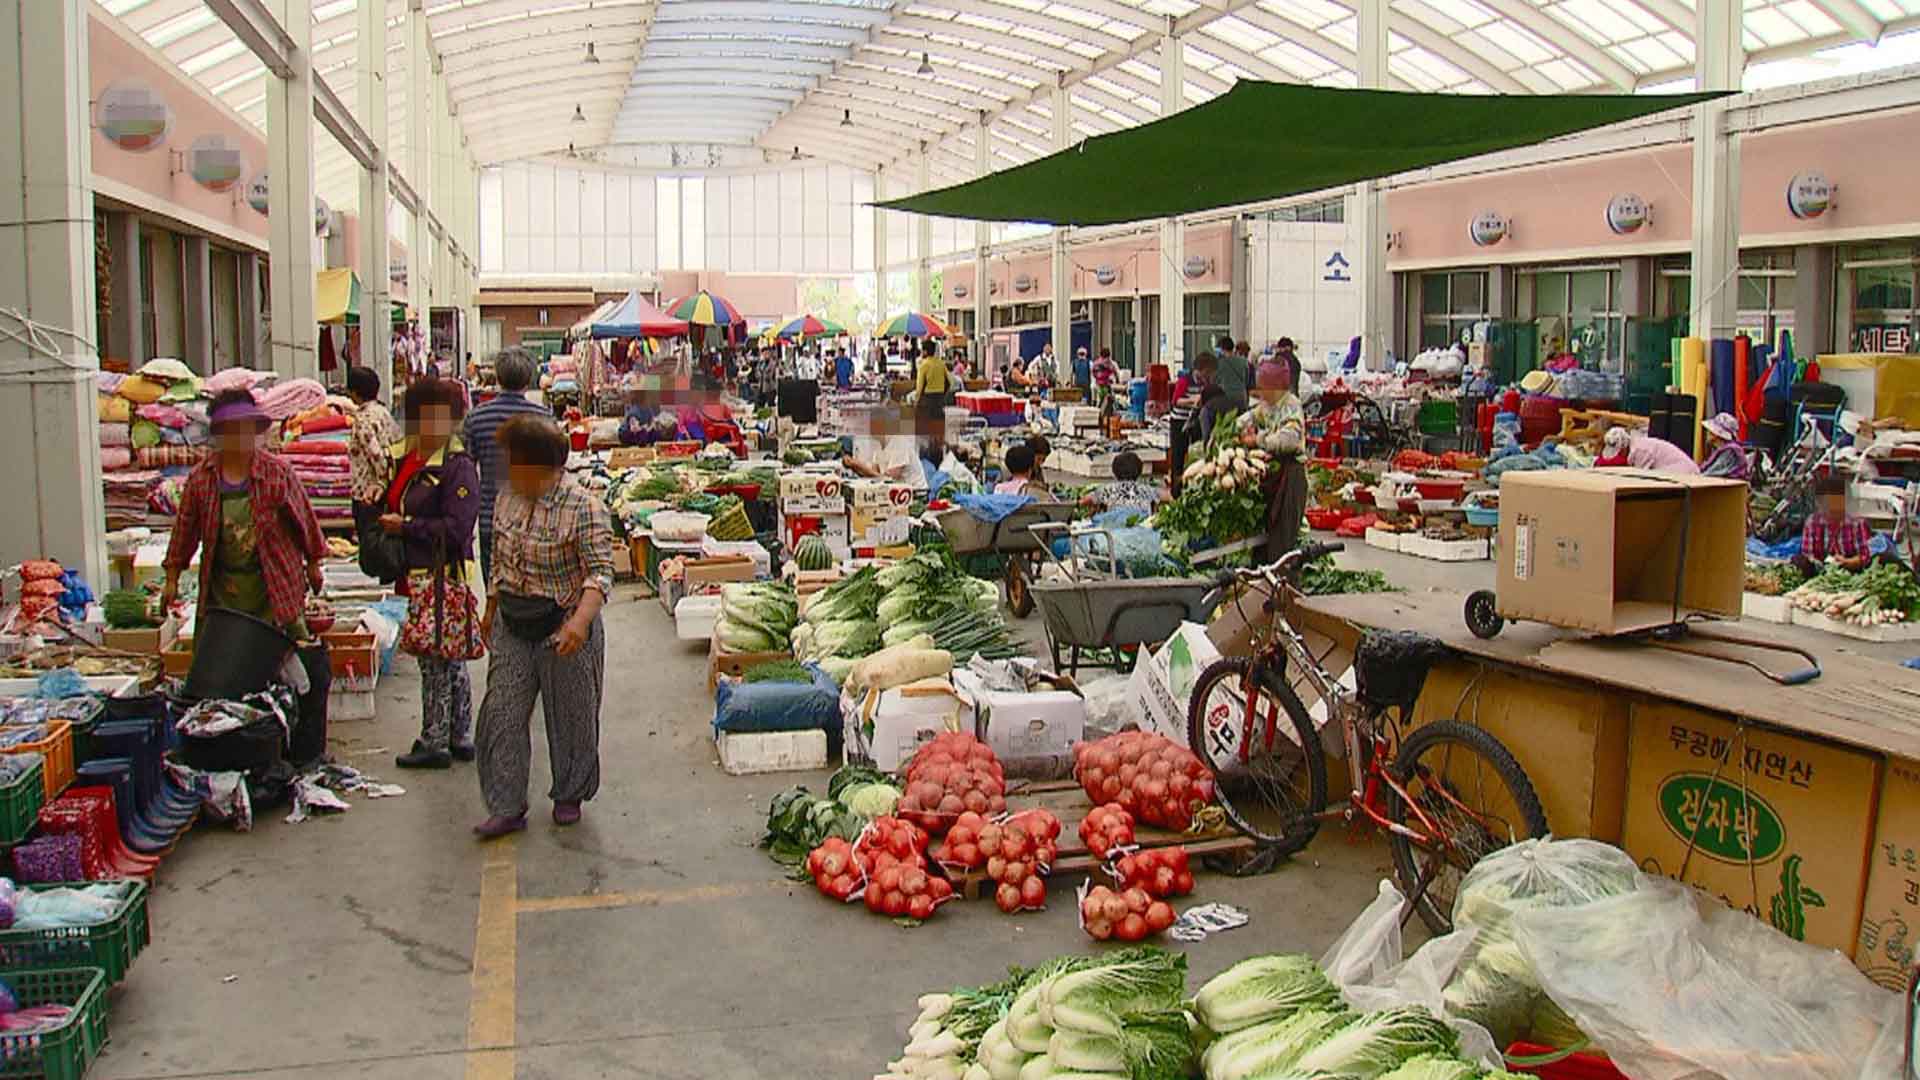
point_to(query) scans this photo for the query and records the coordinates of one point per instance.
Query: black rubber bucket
(234, 654)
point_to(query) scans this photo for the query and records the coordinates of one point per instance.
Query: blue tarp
(991, 508)
(778, 706)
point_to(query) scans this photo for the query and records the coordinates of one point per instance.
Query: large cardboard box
(877, 525)
(881, 495)
(150, 642)
(1031, 732)
(883, 728)
(1781, 832)
(1570, 739)
(1162, 681)
(811, 492)
(1617, 550)
(1890, 918)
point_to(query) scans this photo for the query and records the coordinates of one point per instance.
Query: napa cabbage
(1262, 988)
(1377, 1042)
(1129, 983)
(1433, 1067)
(1273, 1047)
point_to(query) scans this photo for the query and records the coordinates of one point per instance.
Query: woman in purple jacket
(433, 503)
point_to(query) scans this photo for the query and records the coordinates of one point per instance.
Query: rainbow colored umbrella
(705, 309)
(809, 326)
(912, 324)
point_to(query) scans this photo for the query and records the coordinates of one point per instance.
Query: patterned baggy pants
(446, 703)
(568, 689)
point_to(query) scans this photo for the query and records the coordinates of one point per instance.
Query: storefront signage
(1105, 274)
(1023, 283)
(1487, 228)
(133, 117)
(257, 192)
(1196, 266)
(215, 163)
(1723, 820)
(1336, 268)
(1809, 195)
(960, 290)
(1626, 213)
(1883, 338)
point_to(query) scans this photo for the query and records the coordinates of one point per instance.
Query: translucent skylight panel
(1312, 13)
(1298, 58)
(1141, 69)
(1427, 16)
(1463, 12)
(1078, 16)
(1343, 32)
(1435, 70)
(1036, 35)
(1517, 43)
(1648, 54)
(1601, 22)
(1241, 33)
(1566, 75)
(1416, 73)
(1175, 8)
(194, 65)
(1772, 27)
(1812, 20)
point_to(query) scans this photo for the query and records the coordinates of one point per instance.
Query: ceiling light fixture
(571, 152)
(926, 65)
(578, 116)
(796, 153)
(846, 118)
(592, 57)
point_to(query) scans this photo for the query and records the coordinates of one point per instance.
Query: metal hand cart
(1093, 607)
(968, 535)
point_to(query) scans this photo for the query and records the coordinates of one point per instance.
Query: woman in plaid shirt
(247, 516)
(552, 572)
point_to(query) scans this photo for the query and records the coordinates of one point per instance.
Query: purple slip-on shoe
(500, 825)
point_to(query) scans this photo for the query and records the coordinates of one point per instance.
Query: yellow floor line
(644, 897)
(490, 1009)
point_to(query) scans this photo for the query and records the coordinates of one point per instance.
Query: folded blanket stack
(317, 450)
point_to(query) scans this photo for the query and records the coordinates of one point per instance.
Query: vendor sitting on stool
(1728, 458)
(1019, 469)
(1127, 491)
(1832, 534)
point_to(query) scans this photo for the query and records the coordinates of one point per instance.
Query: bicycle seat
(1391, 666)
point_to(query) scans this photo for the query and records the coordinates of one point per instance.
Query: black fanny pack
(530, 618)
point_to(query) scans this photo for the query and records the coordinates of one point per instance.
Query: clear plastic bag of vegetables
(1494, 985)
(1675, 986)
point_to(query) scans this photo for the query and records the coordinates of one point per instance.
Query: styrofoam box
(1884, 632)
(1385, 541)
(694, 617)
(345, 703)
(1773, 609)
(110, 685)
(1444, 550)
(1031, 727)
(746, 753)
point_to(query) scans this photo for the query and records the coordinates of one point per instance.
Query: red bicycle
(1447, 793)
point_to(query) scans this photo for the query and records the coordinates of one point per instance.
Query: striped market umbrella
(809, 326)
(912, 324)
(705, 309)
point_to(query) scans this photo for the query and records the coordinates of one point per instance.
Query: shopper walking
(246, 516)
(553, 570)
(514, 368)
(932, 383)
(433, 503)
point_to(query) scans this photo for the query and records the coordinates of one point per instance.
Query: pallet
(1069, 802)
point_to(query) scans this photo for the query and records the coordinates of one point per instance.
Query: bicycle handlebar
(1283, 568)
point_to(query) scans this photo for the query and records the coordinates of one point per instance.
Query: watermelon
(812, 553)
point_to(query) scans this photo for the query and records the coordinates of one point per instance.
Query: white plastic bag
(1670, 994)
(1365, 963)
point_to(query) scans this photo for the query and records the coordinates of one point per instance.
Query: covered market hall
(960, 539)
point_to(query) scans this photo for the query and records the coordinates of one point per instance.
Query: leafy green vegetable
(1132, 982)
(797, 823)
(1432, 1067)
(1154, 1046)
(1379, 1041)
(1263, 988)
(126, 609)
(779, 671)
(743, 638)
(1270, 1049)
(849, 775)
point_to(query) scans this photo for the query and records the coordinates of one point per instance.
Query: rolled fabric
(317, 449)
(1742, 352)
(115, 434)
(1676, 365)
(291, 398)
(113, 458)
(234, 378)
(160, 457)
(332, 421)
(1719, 376)
(167, 416)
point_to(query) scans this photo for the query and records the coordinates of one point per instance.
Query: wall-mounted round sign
(216, 164)
(1809, 195)
(1196, 266)
(960, 290)
(1626, 213)
(133, 117)
(1023, 283)
(1487, 228)
(1105, 274)
(257, 192)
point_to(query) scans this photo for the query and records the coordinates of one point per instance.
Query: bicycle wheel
(1274, 794)
(1475, 793)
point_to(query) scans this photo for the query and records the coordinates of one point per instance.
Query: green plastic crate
(1438, 416)
(20, 804)
(110, 945)
(64, 1052)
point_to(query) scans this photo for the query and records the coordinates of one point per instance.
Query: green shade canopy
(1263, 140)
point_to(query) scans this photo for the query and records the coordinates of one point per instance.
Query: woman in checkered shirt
(552, 571)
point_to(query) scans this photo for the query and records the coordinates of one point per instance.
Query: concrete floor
(652, 941)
